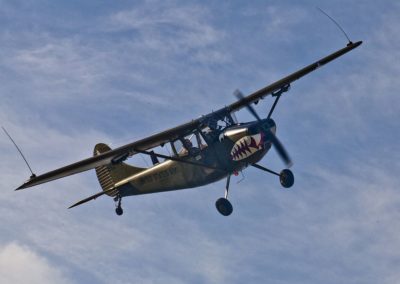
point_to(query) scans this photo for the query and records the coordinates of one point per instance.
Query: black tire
(119, 211)
(224, 206)
(286, 178)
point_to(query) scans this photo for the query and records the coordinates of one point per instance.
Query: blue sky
(75, 73)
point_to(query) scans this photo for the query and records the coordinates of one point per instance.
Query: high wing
(121, 153)
(114, 156)
(262, 93)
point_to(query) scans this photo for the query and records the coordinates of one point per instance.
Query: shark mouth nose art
(246, 146)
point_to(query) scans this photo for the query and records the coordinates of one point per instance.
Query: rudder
(110, 174)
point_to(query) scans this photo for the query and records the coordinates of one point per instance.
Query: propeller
(270, 135)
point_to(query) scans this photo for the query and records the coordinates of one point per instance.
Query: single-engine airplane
(205, 150)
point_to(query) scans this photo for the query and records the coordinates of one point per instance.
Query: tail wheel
(286, 178)
(224, 206)
(118, 208)
(119, 211)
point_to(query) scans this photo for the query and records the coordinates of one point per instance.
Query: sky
(76, 73)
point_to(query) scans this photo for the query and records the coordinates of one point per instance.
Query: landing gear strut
(222, 204)
(118, 208)
(286, 177)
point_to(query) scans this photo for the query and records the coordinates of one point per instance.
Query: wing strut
(278, 96)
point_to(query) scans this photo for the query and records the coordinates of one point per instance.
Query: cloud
(20, 265)
(131, 57)
(188, 23)
(282, 21)
(354, 99)
(172, 30)
(137, 69)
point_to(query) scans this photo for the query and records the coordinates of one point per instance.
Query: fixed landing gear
(223, 205)
(286, 176)
(119, 211)
(118, 208)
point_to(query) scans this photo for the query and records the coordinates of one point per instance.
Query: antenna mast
(19, 150)
(336, 23)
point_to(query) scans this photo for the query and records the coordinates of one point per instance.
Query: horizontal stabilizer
(91, 197)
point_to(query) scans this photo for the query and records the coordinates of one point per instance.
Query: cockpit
(215, 123)
(189, 145)
(211, 127)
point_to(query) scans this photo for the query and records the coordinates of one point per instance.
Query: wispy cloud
(19, 264)
(169, 28)
(139, 68)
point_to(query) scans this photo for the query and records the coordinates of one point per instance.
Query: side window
(201, 143)
(191, 144)
(179, 147)
(184, 145)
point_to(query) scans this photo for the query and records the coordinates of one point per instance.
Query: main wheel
(119, 211)
(224, 206)
(286, 178)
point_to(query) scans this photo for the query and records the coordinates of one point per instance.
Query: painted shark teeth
(246, 146)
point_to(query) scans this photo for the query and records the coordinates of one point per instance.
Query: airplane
(204, 150)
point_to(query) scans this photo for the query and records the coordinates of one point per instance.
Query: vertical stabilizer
(109, 175)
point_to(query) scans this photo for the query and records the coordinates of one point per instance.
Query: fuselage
(232, 150)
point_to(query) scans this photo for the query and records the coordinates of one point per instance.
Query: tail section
(109, 175)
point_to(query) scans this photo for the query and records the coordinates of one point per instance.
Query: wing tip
(355, 44)
(25, 185)
(28, 183)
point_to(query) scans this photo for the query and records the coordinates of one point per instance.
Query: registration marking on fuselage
(162, 175)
